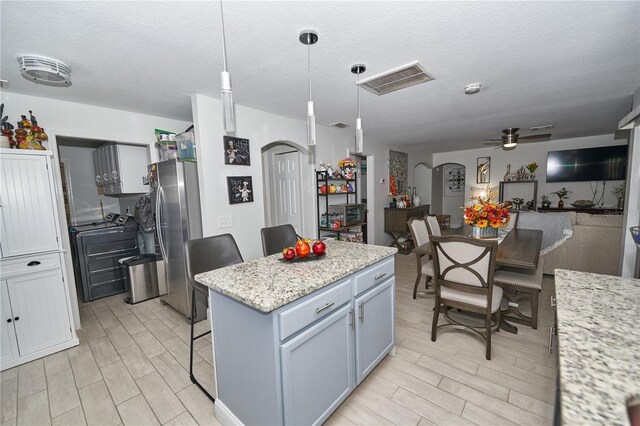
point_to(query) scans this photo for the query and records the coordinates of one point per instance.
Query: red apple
(323, 189)
(319, 248)
(288, 253)
(302, 248)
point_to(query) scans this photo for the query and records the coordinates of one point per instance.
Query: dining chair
(202, 255)
(276, 238)
(513, 222)
(420, 235)
(464, 269)
(433, 226)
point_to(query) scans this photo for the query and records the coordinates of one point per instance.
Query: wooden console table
(590, 210)
(395, 224)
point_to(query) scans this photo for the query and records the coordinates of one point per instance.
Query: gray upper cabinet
(121, 169)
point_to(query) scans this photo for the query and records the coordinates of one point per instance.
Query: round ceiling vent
(41, 69)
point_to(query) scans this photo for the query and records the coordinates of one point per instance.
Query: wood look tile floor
(131, 368)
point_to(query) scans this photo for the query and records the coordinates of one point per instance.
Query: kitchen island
(293, 339)
(598, 346)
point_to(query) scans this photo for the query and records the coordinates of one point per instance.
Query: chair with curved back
(202, 255)
(513, 220)
(420, 235)
(276, 238)
(464, 269)
(433, 226)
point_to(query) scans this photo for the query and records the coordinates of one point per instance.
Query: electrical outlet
(224, 222)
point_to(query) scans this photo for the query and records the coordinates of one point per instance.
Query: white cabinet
(374, 327)
(316, 380)
(27, 214)
(34, 299)
(121, 169)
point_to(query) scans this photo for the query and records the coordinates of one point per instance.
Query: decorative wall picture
(236, 151)
(454, 181)
(240, 189)
(483, 170)
(399, 169)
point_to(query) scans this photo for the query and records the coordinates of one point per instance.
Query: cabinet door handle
(377, 277)
(34, 263)
(326, 306)
(9, 320)
(361, 307)
(551, 333)
(553, 301)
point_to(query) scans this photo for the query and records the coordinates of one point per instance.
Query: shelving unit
(527, 189)
(328, 199)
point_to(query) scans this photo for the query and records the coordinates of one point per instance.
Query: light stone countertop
(599, 346)
(268, 283)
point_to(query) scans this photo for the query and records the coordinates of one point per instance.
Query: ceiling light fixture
(510, 140)
(472, 89)
(48, 71)
(228, 116)
(308, 38)
(359, 69)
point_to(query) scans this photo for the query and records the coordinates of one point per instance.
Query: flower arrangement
(619, 190)
(532, 167)
(485, 212)
(562, 193)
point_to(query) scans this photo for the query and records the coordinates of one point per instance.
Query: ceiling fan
(510, 138)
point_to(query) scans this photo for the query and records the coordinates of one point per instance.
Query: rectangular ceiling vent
(339, 125)
(398, 78)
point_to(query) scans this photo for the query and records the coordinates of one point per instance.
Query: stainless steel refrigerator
(175, 199)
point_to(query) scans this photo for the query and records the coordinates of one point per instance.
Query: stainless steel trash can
(145, 278)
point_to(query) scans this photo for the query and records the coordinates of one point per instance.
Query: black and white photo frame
(236, 151)
(240, 189)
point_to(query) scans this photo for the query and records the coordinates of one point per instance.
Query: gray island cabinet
(293, 340)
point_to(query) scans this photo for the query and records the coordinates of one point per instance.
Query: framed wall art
(240, 189)
(236, 151)
(399, 169)
(483, 170)
(454, 180)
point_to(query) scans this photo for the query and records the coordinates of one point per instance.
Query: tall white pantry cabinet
(35, 309)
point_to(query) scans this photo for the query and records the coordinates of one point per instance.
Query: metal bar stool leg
(193, 339)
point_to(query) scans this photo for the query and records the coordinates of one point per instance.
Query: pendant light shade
(358, 69)
(228, 115)
(308, 38)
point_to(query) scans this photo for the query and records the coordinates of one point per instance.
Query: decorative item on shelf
(485, 216)
(532, 167)
(393, 190)
(323, 171)
(521, 174)
(323, 189)
(562, 194)
(517, 202)
(332, 189)
(507, 176)
(7, 130)
(545, 201)
(619, 191)
(582, 204)
(347, 168)
(529, 205)
(416, 197)
(349, 187)
(29, 135)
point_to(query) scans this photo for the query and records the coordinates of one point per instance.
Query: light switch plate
(224, 222)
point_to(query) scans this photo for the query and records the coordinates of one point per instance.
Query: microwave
(348, 214)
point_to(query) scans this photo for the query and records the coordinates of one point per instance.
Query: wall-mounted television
(587, 164)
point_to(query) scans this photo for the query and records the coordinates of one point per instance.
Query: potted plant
(545, 201)
(532, 169)
(619, 192)
(562, 194)
(485, 217)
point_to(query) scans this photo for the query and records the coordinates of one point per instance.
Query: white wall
(86, 201)
(91, 122)
(527, 153)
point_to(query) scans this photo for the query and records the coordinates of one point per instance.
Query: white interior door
(287, 170)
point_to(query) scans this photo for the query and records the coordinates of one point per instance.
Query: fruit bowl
(311, 256)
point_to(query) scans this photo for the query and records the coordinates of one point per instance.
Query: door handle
(159, 223)
(326, 306)
(34, 263)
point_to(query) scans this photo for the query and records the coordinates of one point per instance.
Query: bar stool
(276, 238)
(202, 255)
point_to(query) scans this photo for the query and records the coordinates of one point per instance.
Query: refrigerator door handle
(159, 224)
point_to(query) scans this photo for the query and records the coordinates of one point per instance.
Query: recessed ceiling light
(472, 89)
(538, 128)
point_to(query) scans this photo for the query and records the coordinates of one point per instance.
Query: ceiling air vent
(398, 78)
(45, 70)
(339, 125)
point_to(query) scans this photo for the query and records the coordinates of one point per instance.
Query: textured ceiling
(571, 64)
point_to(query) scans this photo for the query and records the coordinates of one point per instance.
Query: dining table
(517, 248)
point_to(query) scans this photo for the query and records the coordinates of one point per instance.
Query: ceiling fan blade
(542, 136)
(492, 140)
(492, 143)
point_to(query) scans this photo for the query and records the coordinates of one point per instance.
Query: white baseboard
(224, 415)
(48, 351)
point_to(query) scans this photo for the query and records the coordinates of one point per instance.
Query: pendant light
(359, 69)
(309, 37)
(228, 116)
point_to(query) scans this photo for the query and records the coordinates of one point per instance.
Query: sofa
(594, 246)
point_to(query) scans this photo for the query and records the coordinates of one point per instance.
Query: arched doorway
(448, 191)
(282, 163)
(422, 178)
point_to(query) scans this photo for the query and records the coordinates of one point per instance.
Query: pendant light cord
(224, 40)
